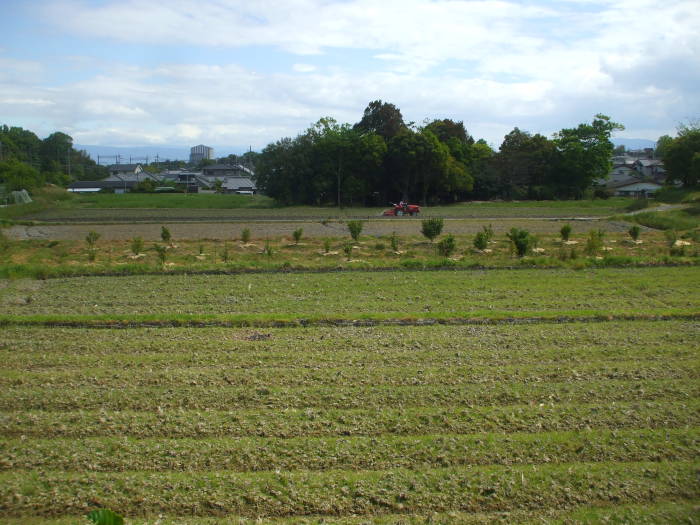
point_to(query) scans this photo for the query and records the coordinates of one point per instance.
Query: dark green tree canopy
(681, 155)
(381, 118)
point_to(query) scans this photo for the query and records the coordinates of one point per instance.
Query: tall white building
(201, 152)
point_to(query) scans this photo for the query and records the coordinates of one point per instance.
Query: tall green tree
(382, 118)
(681, 155)
(584, 155)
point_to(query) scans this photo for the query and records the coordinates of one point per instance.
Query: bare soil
(284, 228)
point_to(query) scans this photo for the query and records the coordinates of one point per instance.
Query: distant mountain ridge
(634, 143)
(138, 153)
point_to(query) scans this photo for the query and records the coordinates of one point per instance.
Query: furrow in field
(320, 422)
(355, 453)
(349, 375)
(660, 511)
(348, 294)
(348, 394)
(38, 348)
(362, 492)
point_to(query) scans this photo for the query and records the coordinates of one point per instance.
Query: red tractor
(401, 209)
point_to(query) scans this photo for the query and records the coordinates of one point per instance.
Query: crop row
(473, 489)
(20, 385)
(667, 512)
(569, 386)
(628, 290)
(320, 422)
(36, 348)
(348, 453)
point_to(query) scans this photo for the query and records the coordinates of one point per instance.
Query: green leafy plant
(481, 240)
(267, 250)
(488, 232)
(379, 246)
(447, 246)
(565, 232)
(347, 250)
(326, 245)
(225, 253)
(671, 237)
(431, 228)
(634, 232)
(245, 235)
(136, 245)
(355, 229)
(394, 240)
(91, 238)
(161, 251)
(594, 243)
(165, 234)
(638, 204)
(201, 249)
(297, 235)
(105, 517)
(521, 241)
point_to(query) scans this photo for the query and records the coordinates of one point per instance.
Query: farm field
(212, 207)
(350, 295)
(262, 229)
(390, 424)
(233, 386)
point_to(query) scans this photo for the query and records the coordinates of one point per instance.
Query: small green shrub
(488, 231)
(481, 240)
(91, 238)
(521, 241)
(447, 246)
(394, 240)
(165, 234)
(594, 243)
(326, 245)
(225, 255)
(565, 232)
(379, 246)
(431, 228)
(671, 237)
(245, 235)
(161, 251)
(638, 204)
(267, 250)
(297, 235)
(136, 245)
(347, 250)
(355, 229)
(634, 232)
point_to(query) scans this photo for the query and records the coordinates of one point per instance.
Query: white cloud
(303, 68)
(493, 63)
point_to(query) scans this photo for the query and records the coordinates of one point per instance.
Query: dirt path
(262, 229)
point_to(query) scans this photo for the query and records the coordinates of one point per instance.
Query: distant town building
(201, 152)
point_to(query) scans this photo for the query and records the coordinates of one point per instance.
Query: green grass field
(213, 207)
(550, 396)
(245, 388)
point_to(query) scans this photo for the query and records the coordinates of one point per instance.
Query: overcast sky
(232, 73)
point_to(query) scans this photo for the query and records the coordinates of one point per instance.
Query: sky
(238, 74)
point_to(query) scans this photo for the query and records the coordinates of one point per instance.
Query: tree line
(28, 162)
(382, 158)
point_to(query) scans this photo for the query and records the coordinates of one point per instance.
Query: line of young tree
(382, 158)
(28, 162)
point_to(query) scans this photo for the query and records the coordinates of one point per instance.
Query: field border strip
(364, 320)
(45, 273)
